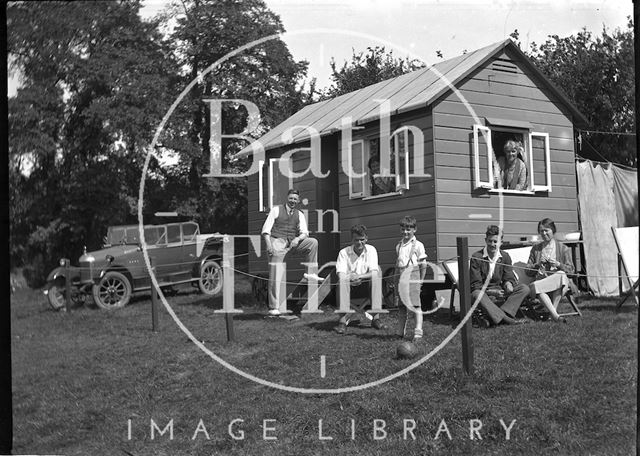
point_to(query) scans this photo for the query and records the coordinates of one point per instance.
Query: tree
(94, 82)
(367, 68)
(597, 74)
(266, 75)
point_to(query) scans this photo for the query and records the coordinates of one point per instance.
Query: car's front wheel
(55, 297)
(113, 291)
(210, 281)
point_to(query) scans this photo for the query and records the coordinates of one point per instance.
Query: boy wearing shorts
(411, 267)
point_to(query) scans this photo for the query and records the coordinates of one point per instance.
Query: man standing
(355, 268)
(285, 230)
(496, 264)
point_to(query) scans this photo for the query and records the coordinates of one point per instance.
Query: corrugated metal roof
(407, 92)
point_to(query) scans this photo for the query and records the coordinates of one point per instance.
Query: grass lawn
(94, 382)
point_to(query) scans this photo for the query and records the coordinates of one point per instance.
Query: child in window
(411, 267)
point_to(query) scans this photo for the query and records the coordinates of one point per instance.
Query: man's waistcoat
(285, 226)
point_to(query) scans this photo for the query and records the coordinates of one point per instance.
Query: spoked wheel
(113, 291)
(55, 297)
(210, 282)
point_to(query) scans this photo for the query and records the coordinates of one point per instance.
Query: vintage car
(178, 252)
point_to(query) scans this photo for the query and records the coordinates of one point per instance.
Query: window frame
(527, 139)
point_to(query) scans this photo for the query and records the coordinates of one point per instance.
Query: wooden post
(231, 332)
(67, 284)
(465, 303)
(154, 300)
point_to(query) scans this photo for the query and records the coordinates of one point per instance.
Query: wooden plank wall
(381, 215)
(307, 185)
(517, 97)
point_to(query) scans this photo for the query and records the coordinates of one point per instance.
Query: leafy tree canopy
(96, 82)
(597, 74)
(366, 68)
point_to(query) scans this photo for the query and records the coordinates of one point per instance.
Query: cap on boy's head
(493, 230)
(358, 230)
(293, 191)
(408, 222)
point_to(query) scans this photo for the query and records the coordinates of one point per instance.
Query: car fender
(59, 276)
(212, 256)
(114, 267)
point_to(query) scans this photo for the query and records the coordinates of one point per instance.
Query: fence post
(465, 303)
(67, 285)
(154, 300)
(228, 267)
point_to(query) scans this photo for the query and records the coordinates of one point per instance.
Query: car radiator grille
(86, 271)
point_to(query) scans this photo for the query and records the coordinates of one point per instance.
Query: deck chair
(627, 261)
(519, 259)
(299, 294)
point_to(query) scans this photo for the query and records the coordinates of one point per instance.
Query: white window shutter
(401, 147)
(483, 157)
(261, 185)
(356, 169)
(540, 162)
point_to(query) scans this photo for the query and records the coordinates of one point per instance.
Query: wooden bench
(519, 258)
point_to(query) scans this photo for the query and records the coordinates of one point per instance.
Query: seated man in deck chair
(496, 264)
(355, 267)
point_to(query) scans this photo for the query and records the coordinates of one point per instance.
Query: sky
(423, 27)
(318, 30)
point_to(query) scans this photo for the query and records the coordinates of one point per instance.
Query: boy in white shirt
(411, 267)
(355, 267)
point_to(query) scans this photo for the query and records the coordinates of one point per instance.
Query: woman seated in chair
(550, 262)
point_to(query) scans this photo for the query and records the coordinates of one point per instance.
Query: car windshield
(153, 235)
(122, 235)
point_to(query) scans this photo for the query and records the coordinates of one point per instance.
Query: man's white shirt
(349, 262)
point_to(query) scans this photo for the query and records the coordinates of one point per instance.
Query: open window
(279, 183)
(494, 168)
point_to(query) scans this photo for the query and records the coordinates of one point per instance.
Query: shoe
(274, 312)
(314, 277)
(481, 321)
(341, 328)
(377, 324)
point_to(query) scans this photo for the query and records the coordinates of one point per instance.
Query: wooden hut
(446, 126)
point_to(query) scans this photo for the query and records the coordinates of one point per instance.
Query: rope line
(388, 276)
(627, 133)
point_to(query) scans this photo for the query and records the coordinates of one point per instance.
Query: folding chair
(627, 260)
(519, 259)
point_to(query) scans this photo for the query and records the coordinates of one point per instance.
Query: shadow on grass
(327, 326)
(441, 317)
(626, 308)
